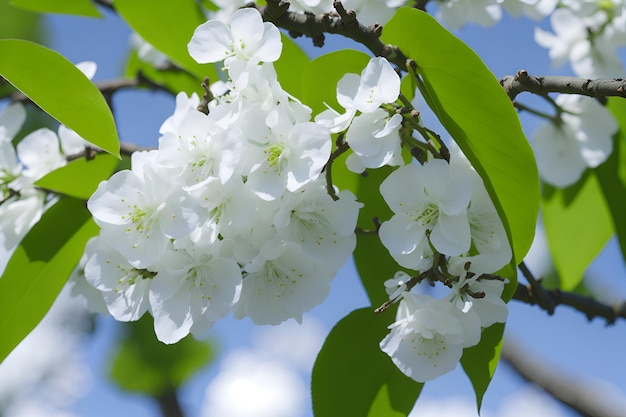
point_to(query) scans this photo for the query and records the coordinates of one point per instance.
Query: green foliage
(319, 81)
(352, 377)
(168, 26)
(17, 23)
(612, 174)
(75, 7)
(372, 260)
(144, 365)
(476, 112)
(479, 362)
(80, 178)
(568, 214)
(61, 90)
(290, 66)
(39, 268)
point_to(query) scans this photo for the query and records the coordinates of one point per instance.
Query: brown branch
(344, 23)
(535, 293)
(578, 395)
(542, 85)
(110, 87)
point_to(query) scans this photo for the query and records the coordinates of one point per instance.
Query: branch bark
(344, 23)
(542, 85)
(535, 293)
(577, 394)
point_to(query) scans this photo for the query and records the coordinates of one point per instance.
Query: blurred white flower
(456, 13)
(582, 139)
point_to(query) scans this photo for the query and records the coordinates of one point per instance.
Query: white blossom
(456, 13)
(370, 12)
(124, 288)
(280, 283)
(582, 138)
(191, 291)
(139, 211)
(576, 39)
(429, 202)
(248, 39)
(429, 335)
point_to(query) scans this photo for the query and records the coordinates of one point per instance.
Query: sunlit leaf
(479, 362)
(568, 214)
(80, 178)
(61, 90)
(168, 26)
(40, 267)
(352, 377)
(76, 7)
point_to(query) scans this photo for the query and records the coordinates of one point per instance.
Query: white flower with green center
(430, 205)
(139, 211)
(322, 226)
(192, 290)
(124, 287)
(248, 39)
(429, 335)
(200, 149)
(280, 283)
(292, 157)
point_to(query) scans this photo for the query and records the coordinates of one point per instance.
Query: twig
(535, 293)
(343, 23)
(576, 394)
(599, 88)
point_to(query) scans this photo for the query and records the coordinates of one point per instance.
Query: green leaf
(568, 214)
(60, 89)
(474, 109)
(18, 23)
(352, 377)
(479, 362)
(75, 7)
(372, 260)
(172, 79)
(80, 177)
(319, 81)
(39, 268)
(612, 174)
(289, 68)
(168, 26)
(144, 365)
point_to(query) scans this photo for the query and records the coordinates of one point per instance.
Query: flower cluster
(230, 213)
(444, 222)
(587, 34)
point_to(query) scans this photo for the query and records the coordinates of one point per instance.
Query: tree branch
(110, 87)
(535, 293)
(344, 23)
(169, 405)
(577, 394)
(542, 85)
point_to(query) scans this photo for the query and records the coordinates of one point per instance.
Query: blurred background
(75, 364)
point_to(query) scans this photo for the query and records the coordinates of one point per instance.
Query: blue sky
(589, 350)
